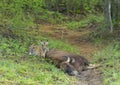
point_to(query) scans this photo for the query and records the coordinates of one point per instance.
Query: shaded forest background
(28, 12)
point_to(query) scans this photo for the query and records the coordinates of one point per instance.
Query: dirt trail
(76, 38)
(79, 39)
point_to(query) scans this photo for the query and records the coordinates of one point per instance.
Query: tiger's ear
(46, 42)
(41, 42)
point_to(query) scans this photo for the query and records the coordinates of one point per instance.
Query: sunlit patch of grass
(57, 44)
(32, 73)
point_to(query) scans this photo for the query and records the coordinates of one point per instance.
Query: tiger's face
(39, 50)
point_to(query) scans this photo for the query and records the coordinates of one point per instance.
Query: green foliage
(25, 14)
(13, 11)
(52, 17)
(91, 19)
(109, 58)
(31, 72)
(22, 21)
(11, 47)
(76, 7)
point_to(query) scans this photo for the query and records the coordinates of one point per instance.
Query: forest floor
(81, 40)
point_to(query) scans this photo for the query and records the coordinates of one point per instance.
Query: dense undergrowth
(109, 58)
(85, 22)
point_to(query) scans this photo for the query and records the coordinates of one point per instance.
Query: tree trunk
(109, 14)
(108, 18)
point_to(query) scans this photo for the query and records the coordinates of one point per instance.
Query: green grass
(109, 58)
(31, 72)
(57, 44)
(52, 17)
(90, 19)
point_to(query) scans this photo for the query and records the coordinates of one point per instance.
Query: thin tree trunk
(108, 19)
(109, 15)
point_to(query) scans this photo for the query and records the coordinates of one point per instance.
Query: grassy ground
(17, 68)
(30, 71)
(109, 58)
